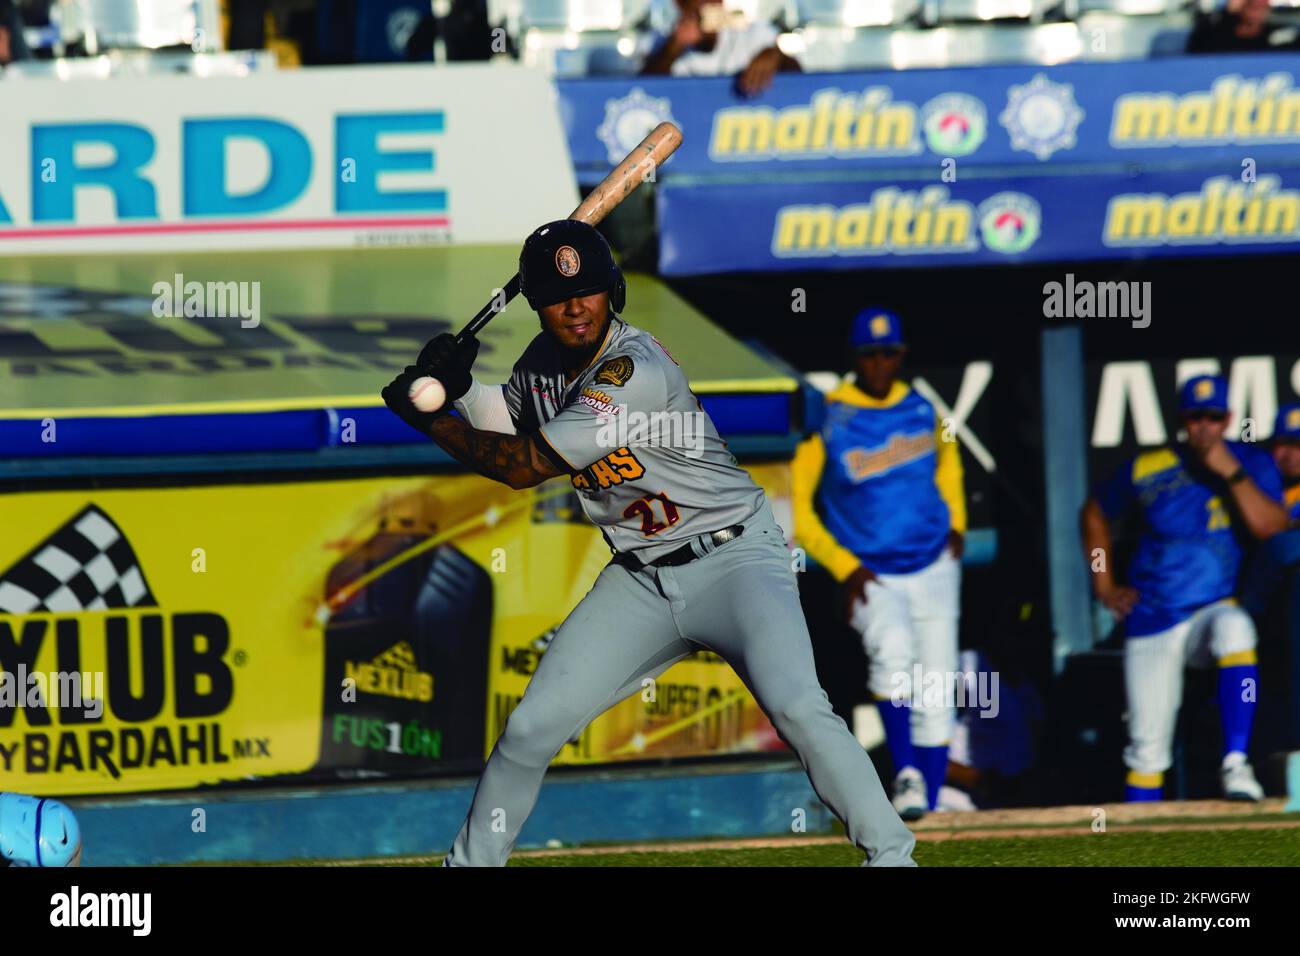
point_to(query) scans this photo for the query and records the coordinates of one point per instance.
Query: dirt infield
(1029, 822)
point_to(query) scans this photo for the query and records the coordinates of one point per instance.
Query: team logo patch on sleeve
(616, 371)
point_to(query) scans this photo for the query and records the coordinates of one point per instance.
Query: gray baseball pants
(739, 600)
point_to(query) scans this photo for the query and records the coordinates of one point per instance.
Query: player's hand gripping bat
(637, 167)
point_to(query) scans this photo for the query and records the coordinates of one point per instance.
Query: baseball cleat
(909, 794)
(953, 800)
(1238, 779)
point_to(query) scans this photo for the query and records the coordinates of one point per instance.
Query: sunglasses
(883, 353)
(1206, 416)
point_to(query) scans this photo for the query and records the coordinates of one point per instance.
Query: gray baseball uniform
(654, 486)
(650, 468)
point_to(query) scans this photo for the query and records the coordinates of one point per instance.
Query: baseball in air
(427, 394)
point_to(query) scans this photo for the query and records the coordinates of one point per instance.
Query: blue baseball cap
(876, 328)
(1204, 393)
(1288, 422)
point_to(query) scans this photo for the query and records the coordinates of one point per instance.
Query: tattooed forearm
(510, 459)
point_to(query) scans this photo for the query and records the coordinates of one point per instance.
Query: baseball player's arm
(816, 539)
(949, 478)
(486, 408)
(1095, 527)
(520, 461)
(1263, 516)
(1256, 492)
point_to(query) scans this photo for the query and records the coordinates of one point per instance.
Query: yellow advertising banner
(167, 638)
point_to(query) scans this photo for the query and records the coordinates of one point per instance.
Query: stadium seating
(141, 24)
(1129, 8)
(567, 53)
(954, 11)
(581, 15)
(572, 38)
(857, 13)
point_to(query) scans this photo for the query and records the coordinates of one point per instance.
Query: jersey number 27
(650, 523)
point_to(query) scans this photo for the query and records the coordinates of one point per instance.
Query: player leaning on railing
(1195, 503)
(698, 560)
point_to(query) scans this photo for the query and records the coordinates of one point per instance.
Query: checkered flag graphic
(87, 565)
(400, 656)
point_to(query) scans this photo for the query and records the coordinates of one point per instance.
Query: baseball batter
(879, 503)
(698, 559)
(1196, 503)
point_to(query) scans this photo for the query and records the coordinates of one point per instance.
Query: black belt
(683, 555)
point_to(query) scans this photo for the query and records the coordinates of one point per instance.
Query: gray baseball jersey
(649, 466)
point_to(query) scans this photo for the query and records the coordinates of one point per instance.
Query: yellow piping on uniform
(1149, 781)
(1237, 659)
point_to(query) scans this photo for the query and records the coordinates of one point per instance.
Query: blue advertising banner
(1225, 112)
(706, 228)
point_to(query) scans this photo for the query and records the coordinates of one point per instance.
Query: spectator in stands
(1240, 26)
(12, 45)
(704, 44)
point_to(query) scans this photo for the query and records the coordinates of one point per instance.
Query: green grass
(1115, 826)
(1276, 847)
(1201, 848)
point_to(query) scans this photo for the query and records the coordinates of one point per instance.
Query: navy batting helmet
(566, 259)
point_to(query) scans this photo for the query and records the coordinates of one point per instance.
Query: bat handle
(497, 305)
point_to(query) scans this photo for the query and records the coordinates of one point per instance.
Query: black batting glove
(444, 352)
(397, 396)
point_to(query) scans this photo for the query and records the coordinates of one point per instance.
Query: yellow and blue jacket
(878, 485)
(1189, 547)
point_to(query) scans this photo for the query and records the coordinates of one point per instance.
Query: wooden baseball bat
(635, 169)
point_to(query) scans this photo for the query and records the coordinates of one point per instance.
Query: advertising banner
(1210, 111)
(708, 228)
(168, 638)
(407, 155)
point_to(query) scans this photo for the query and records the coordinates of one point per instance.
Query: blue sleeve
(1116, 493)
(814, 408)
(1259, 465)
